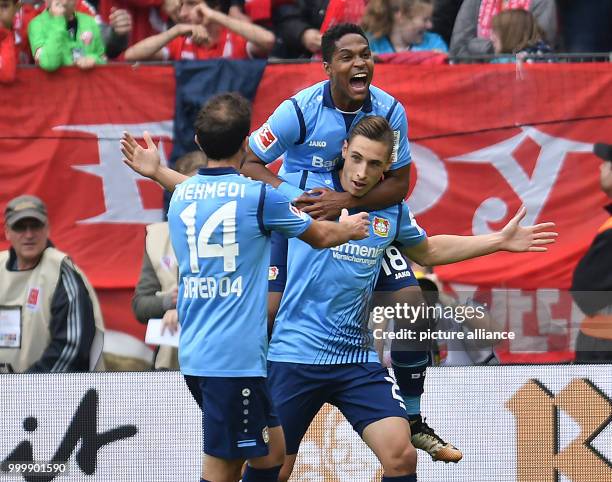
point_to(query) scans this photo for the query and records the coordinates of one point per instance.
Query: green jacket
(52, 46)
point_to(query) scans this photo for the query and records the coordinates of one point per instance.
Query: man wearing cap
(592, 282)
(50, 319)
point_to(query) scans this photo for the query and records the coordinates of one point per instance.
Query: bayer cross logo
(83, 428)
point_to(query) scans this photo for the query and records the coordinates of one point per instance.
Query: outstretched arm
(446, 249)
(146, 162)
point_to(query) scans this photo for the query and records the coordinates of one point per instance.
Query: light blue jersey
(324, 311)
(220, 225)
(309, 130)
(431, 42)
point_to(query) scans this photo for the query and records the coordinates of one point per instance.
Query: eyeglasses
(23, 226)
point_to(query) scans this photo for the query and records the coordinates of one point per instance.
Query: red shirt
(21, 20)
(229, 45)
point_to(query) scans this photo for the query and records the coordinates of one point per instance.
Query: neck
(233, 162)
(26, 264)
(343, 103)
(396, 38)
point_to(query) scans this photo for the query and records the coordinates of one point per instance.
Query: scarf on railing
(490, 8)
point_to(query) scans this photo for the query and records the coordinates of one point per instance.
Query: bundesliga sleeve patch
(381, 227)
(265, 138)
(396, 141)
(272, 273)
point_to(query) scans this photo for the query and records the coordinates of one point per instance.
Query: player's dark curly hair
(331, 36)
(222, 125)
(375, 128)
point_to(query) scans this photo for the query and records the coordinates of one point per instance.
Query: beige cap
(23, 207)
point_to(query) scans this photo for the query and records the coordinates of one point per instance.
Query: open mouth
(359, 185)
(359, 81)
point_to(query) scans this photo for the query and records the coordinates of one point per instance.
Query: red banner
(485, 140)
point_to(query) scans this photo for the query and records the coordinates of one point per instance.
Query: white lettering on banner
(119, 183)
(210, 287)
(533, 192)
(432, 179)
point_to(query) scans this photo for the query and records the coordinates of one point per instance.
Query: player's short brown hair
(375, 128)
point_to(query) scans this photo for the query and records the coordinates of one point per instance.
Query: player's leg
(397, 285)
(234, 423)
(368, 397)
(298, 393)
(267, 468)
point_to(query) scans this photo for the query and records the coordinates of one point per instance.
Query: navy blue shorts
(364, 393)
(236, 415)
(395, 271)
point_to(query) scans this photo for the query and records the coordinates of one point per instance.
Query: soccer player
(220, 223)
(321, 349)
(309, 129)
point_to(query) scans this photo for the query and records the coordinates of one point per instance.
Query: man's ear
(344, 148)
(327, 68)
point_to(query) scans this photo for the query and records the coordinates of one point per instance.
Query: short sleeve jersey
(220, 225)
(323, 316)
(309, 130)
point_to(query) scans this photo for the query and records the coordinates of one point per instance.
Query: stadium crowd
(86, 33)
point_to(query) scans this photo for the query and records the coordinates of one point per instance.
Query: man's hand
(120, 21)
(170, 322)
(322, 203)
(518, 239)
(85, 63)
(57, 8)
(204, 13)
(145, 162)
(311, 39)
(358, 225)
(199, 34)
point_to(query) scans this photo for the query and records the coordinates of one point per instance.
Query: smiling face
(365, 161)
(350, 71)
(415, 23)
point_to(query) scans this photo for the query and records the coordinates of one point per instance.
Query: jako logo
(83, 427)
(536, 411)
(317, 144)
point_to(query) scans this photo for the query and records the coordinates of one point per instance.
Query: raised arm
(150, 48)
(146, 162)
(261, 39)
(446, 249)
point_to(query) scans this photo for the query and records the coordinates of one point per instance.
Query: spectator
(472, 32)
(156, 292)
(61, 36)
(205, 33)
(116, 33)
(592, 281)
(8, 50)
(444, 15)
(400, 26)
(55, 320)
(516, 32)
(14, 46)
(297, 27)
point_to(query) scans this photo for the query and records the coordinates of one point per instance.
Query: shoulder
(382, 99)
(311, 94)
(41, 18)
(433, 41)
